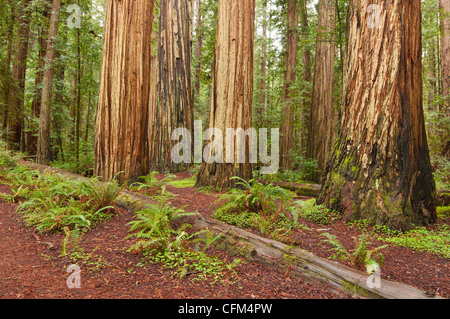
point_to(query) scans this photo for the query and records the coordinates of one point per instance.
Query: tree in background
(17, 88)
(232, 88)
(444, 7)
(43, 148)
(380, 168)
(287, 129)
(322, 114)
(175, 109)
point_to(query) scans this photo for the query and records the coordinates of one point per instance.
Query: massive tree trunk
(43, 148)
(121, 141)
(287, 127)
(17, 88)
(175, 80)
(380, 168)
(322, 117)
(232, 90)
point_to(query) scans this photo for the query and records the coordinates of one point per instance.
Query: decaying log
(276, 255)
(301, 189)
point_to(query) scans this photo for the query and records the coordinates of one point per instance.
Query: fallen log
(279, 256)
(301, 189)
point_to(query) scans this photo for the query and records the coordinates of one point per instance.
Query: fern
(103, 194)
(154, 227)
(361, 258)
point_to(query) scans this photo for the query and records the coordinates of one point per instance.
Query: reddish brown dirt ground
(29, 270)
(423, 270)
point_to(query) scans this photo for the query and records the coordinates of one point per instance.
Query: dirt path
(31, 270)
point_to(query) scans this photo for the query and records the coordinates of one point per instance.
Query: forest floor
(31, 270)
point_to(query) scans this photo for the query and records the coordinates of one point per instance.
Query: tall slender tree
(380, 168)
(322, 117)
(36, 104)
(43, 148)
(8, 73)
(17, 88)
(444, 7)
(121, 140)
(287, 129)
(232, 91)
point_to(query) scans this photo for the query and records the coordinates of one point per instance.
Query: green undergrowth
(175, 247)
(310, 211)
(421, 239)
(153, 187)
(361, 256)
(184, 183)
(263, 208)
(49, 202)
(443, 212)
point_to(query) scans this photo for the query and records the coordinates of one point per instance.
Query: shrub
(159, 241)
(361, 257)
(103, 194)
(421, 239)
(309, 210)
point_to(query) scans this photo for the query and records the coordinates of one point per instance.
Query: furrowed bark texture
(322, 117)
(287, 128)
(43, 147)
(380, 167)
(17, 88)
(232, 88)
(121, 141)
(175, 80)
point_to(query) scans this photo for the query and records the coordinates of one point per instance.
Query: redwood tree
(322, 116)
(43, 147)
(380, 169)
(15, 114)
(444, 7)
(287, 129)
(232, 88)
(121, 140)
(175, 108)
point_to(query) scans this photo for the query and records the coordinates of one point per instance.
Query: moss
(354, 289)
(289, 259)
(443, 212)
(184, 183)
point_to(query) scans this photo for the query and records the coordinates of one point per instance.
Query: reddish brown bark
(17, 88)
(322, 117)
(232, 88)
(380, 167)
(121, 141)
(288, 112)
(43, 147)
